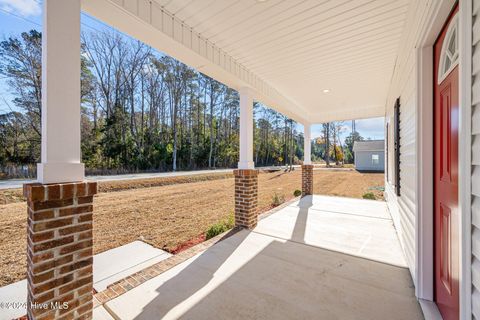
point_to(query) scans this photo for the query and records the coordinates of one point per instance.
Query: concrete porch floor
(318, 258)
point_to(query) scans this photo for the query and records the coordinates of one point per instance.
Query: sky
(17, 16)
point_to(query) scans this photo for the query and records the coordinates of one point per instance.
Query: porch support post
(246, 177)
(246, 129)
(60, 250)
(59, 233)
(307, 167)
(60, 159)
(307, 143)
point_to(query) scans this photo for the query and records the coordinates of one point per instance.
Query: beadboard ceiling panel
(292, 51)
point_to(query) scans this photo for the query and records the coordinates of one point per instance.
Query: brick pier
(246, 198)
(307, 179)
(59, 250)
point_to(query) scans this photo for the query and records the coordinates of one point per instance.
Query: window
(449, 54)
(375, 159)
(396, 138)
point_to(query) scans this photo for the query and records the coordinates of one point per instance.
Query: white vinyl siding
(369, 160)
(403, 85)
(476, 160)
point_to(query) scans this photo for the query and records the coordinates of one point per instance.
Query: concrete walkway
(320, 258)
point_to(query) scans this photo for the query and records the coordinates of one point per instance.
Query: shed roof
(369, 145)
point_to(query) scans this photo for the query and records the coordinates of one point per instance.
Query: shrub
(369, 196)
(220, 227)
(297, 193)
(277, 199)
(215, 230)
(230, 222)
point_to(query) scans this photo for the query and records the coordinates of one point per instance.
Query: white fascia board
(148, 22)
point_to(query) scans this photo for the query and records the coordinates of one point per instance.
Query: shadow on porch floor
(320, 258)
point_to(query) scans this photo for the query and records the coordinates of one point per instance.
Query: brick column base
(307, 179)
(246, 197)
(59, 250)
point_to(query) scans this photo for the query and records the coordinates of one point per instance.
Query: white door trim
(424, 250)
(464, 160)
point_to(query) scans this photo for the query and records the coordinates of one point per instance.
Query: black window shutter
(386, 151)
(397, 145)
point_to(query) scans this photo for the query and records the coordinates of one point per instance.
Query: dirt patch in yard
(11, 196)
(169, 216)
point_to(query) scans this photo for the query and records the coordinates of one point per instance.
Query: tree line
(328, 146)
(140, 110)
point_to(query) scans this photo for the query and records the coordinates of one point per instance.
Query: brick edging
(126, 284)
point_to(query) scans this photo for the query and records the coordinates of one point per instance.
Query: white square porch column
(246, 129)
(307, 167)
(307, 143)
(60, 158)
(246, 177)
(60, 207)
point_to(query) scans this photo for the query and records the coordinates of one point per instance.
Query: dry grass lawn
(168, 215)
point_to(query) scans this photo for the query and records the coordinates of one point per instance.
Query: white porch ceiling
(288, 51)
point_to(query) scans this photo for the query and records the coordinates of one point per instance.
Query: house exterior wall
(475, 160)
(404, 85)
(403, 208)
(363, 160)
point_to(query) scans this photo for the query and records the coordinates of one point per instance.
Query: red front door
(446, 174)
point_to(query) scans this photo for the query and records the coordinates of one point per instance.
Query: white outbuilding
(369, 155)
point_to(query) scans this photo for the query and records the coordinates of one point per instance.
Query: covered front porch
(316, 258)
(319, 257)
